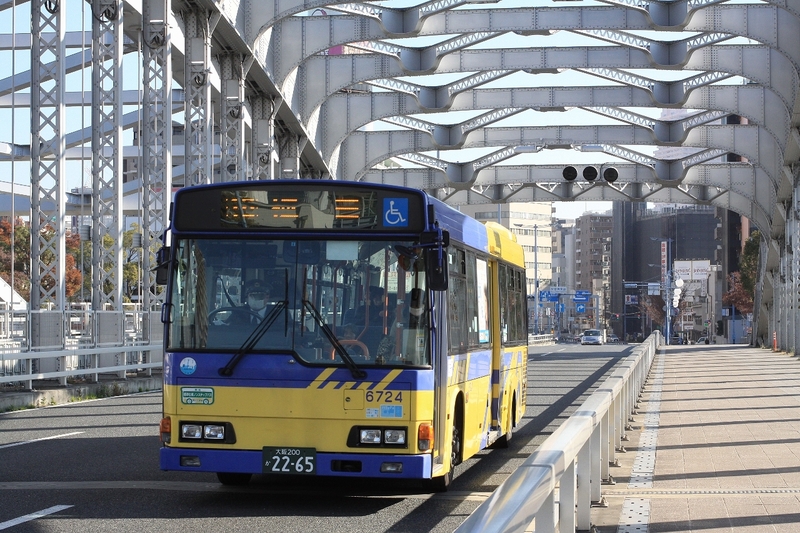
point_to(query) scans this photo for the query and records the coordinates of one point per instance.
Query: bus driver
(257, 295)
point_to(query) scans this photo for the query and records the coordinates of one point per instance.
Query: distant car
(676, 340)
(613, 339)
(702, 340)
(592, 336)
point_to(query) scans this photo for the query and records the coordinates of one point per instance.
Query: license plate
(289, 460)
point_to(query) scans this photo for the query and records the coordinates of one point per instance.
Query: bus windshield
(310, 298)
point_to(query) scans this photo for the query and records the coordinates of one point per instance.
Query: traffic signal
(590, 173)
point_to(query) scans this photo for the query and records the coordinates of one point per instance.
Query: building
(692, 233)
(593, 267)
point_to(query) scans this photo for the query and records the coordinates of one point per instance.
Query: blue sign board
(562, 308)
(581, 296)
(544, 295)
(580, 308)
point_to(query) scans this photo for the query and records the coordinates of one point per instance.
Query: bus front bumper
(327, 464)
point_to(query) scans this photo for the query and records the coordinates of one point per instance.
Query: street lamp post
(667, 289)
(536, 279)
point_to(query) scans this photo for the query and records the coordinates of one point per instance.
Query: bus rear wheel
(503, 441)
(233, 478)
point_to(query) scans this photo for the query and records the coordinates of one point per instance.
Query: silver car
(592, 336)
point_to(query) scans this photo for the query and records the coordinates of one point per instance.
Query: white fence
(57, 345)
(538, 340)
(581, 449)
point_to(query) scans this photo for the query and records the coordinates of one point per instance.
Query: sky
(576, 209)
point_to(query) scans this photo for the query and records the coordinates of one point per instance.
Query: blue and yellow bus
(337, 328)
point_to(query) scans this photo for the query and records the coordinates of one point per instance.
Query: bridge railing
(582, 448)
(538, 340)
(58, 345)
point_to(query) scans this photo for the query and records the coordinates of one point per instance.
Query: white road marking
(33, 516)
(548, 353)
(39, 440)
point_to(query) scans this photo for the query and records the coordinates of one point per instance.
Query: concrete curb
(45, 393)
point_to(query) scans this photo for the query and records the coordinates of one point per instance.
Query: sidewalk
(715, 446)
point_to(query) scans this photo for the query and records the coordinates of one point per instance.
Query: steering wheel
(244, 314)
(352, 342)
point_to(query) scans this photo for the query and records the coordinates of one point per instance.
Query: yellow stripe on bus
(316, 384)
(387, 380)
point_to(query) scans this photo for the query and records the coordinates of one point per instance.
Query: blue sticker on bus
(395, 212)
(188, 366)
(391, 411)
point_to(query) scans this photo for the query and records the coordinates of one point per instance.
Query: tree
(20, 253)
(73, 276)
(737, 295)
(653, 307)
(748, 263)
(131, 269)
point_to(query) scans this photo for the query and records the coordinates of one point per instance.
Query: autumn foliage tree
(741, 285)
(20, 254)
(737, 295)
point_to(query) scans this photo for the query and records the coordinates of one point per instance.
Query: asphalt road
(93, 467)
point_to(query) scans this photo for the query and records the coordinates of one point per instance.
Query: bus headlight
(214, 432)
(370, 436)
(378, 437)
(191, 431)
(395, 436)
(218, 432)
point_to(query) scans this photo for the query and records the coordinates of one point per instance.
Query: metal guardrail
(539, 340)
(41, 345)
(582, 448)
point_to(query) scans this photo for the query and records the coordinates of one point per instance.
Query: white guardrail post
(87, 343)
(574, 459)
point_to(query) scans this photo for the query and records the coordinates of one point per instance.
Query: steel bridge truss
(307, 88)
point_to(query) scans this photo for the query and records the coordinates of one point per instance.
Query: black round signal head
(569, 173)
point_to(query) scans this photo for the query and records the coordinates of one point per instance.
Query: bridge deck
(717, 448)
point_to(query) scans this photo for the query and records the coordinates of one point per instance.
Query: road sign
(581, 296)
(562, 308)
(544, 295)
(558, 290)
(580, 308)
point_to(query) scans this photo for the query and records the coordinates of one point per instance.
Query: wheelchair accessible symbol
(395, 212)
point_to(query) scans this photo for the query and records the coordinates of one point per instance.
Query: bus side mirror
(162, 265)
(436, 258)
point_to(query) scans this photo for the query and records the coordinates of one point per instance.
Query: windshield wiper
(254, 337)
(348, 361)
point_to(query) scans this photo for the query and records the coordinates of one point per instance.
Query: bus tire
(233, 479)
(503, 441)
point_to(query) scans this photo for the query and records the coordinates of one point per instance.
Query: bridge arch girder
(383, 105)
(751, 141)
(738, 187)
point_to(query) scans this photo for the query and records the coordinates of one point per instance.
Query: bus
(388, 339)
